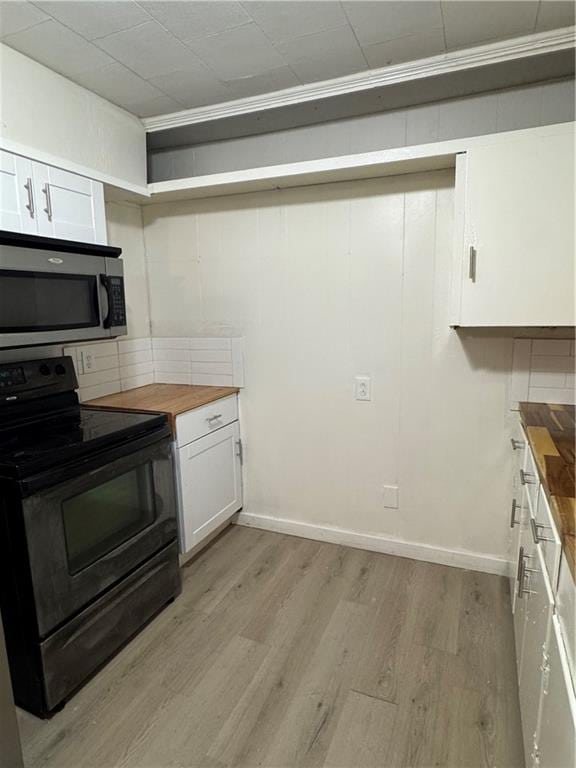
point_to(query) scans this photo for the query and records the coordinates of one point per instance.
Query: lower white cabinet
(543, 609)
(556, 738)
(209, 472)
(539, 602)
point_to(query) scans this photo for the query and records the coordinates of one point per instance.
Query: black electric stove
(88, 549)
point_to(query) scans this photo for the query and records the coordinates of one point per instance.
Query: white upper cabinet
(42, 200)
(514, 233)
(17, 212)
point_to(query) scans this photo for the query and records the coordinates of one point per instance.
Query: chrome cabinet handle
(535, 535)
(524, 477)
(521, 576)
(516, 444)
(48, 209)
(210, 419)
(513, 520)
(30, 204)
(472, 264)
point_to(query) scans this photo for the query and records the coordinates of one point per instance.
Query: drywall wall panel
(52, 119)
(326, 283)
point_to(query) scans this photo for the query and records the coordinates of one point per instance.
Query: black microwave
(59, 291)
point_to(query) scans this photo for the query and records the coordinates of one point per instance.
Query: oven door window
(102, 518)
(45, 301)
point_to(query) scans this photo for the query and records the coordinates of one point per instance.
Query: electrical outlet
(87, 360)
(363, 388)
(390, 496)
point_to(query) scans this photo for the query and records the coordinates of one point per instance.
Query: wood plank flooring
(285, 652)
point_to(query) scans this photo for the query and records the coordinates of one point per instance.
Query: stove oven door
(85, 534)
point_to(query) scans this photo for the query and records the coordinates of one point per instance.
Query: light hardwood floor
(284, 652)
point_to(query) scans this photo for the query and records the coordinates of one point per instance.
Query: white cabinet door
(70, 207)
(540, 604)
(515, 258)
(210, 478)
(556, 742)
(17, 206)
(521, 600)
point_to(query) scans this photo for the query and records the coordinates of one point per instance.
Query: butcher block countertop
(551, 431)
(171, 399)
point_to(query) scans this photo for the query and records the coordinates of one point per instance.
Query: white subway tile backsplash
(138, 369)
(167, 377)
(552, 395)
(554, 379)
(218, 369)
(215, 343)
(176, 366)
(98, 377)
(171, 354)
(99, 390)
(551, 346)
(134, 345)
(99, 348)
(140, 356)
(171, 343)
(211, 356)
(549, 363)
(137, 381)
(542, 371)
(212, 380)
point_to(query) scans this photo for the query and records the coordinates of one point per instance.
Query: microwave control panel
(117, 301)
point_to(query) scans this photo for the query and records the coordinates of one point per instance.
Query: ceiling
(159, 56)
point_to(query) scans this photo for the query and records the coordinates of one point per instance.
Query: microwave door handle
(106, 318)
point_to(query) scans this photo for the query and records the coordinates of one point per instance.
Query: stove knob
(44, 370)
(60, 370)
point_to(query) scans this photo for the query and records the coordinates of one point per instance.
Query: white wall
(56, 121)
(326, 283)
(125, 229)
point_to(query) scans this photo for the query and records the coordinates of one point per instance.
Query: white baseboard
(458, 558)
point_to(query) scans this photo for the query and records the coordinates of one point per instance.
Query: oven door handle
(106, 318)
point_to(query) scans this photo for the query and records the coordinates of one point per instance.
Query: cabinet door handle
(210, 419)
(472, 263)
(535, 535)
(30, 204)
(524, 477)
(513, 520)
(516, 444)
(48, 209)
(522, 571)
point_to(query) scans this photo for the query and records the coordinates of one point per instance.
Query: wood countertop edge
(172, 400)
(562, 507)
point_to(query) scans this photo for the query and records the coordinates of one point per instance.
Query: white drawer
(202, 421)
(530, 479)
(546, 535)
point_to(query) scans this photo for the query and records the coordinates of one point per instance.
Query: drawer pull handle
(48, 209)
(513, 520)
(210, 419)
(472, 264)
(535, 534)
(524, 477)
(30, 203)
(522, 571)
(516, 444)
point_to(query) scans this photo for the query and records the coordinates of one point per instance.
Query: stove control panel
(29, 379)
